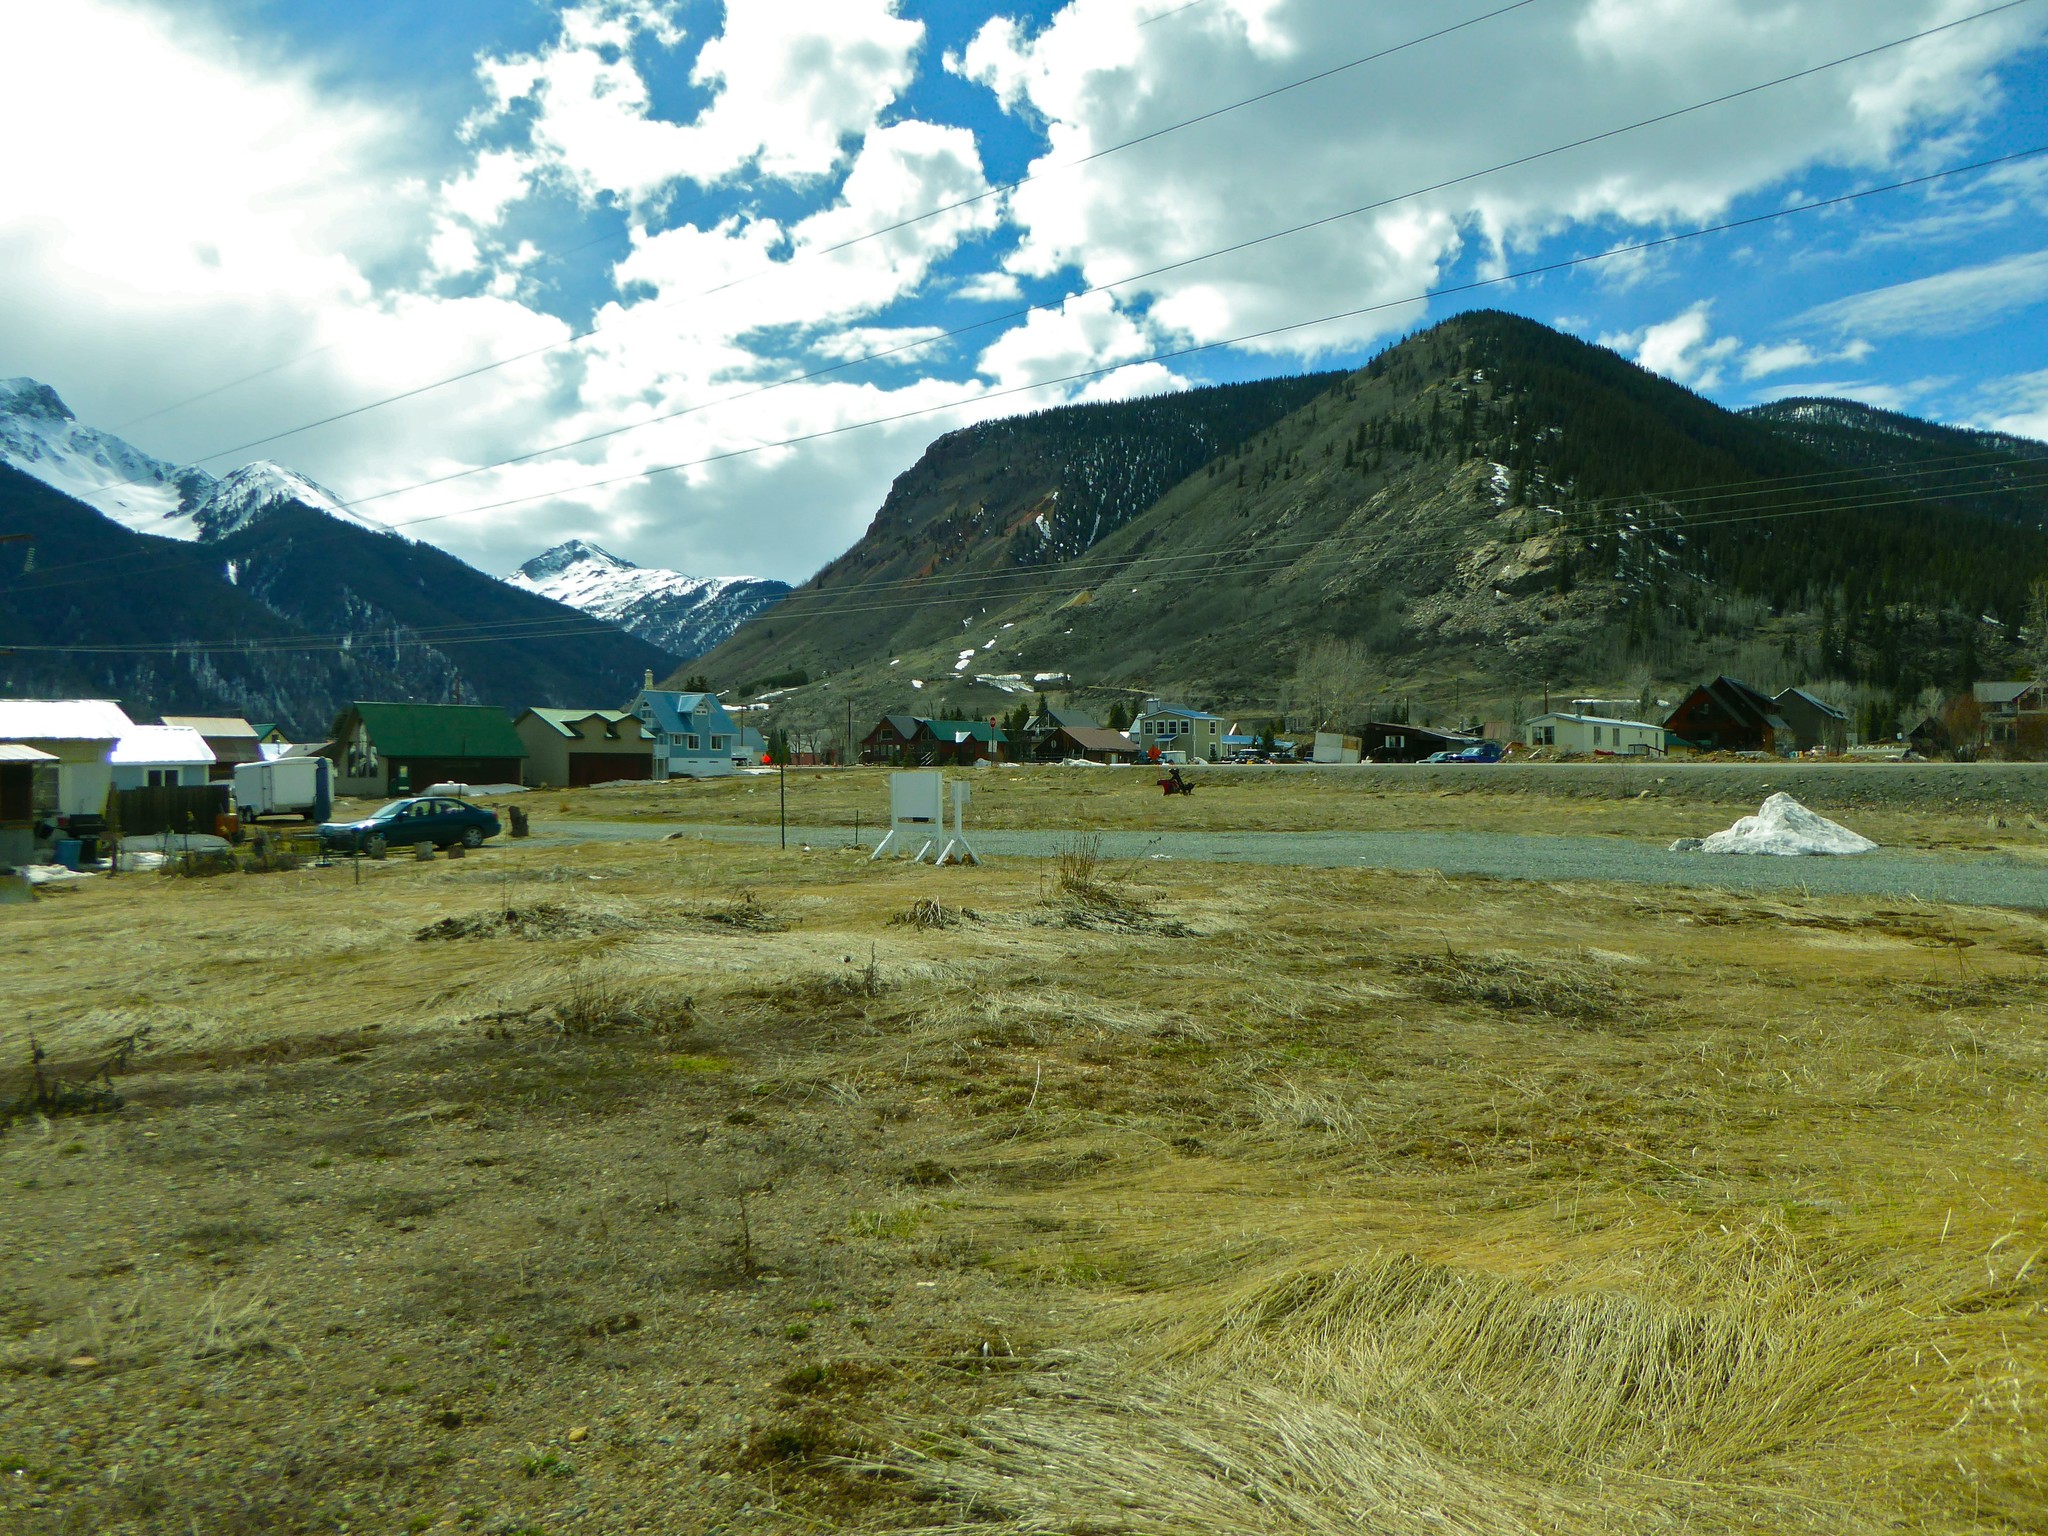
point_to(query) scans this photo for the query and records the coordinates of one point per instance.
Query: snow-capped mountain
(40, 436)
(238, 500)
(684, 615)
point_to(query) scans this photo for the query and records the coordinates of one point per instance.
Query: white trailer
(1334, 748)
(299, 786)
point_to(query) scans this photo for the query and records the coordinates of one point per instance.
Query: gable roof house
(694, 736)
(893, 740)
(1098, 744)
(151, 756)
(1041, 729)
(2013, 712)
(1817, 726)
(1176, 728)
(399, 749)
(963, 741)
(229, 738)
(80, 734)
(1727, 715)
(568, 748)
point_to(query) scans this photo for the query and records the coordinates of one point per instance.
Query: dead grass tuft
(744, 914)
(536, 921)
(1512, 983)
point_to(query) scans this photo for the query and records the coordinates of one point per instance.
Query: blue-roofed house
(694, 737)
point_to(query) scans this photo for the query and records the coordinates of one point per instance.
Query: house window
(159, 777)
(689, 743)
(1596, 735)
(721, 743)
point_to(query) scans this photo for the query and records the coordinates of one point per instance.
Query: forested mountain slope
(419, 624)
(1027, 492)
(1490, 502)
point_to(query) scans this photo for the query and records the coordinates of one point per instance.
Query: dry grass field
(1982, 813)
(677, 1188)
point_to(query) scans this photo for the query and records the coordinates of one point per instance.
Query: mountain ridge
(1486, 508)
(684, 615)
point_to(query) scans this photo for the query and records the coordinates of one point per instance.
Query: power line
(873, 234)
(1200, 564)
(1118, 282)
(1172, 354)
(923, 342)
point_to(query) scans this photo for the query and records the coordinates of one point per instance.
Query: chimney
(648, 680)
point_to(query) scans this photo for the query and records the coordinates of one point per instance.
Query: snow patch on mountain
(684, 615)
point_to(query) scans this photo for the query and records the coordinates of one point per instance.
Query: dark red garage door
(597, 767)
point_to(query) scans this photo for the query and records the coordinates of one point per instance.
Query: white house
(1595, 735)
(80, 734)
(149, 755)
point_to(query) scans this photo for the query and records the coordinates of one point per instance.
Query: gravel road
(1994, 880)
(2011, 789)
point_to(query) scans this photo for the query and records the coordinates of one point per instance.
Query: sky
(697, 281)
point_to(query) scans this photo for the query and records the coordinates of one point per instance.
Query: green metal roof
(440, 730)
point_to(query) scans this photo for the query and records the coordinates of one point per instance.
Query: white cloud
(216, 213)
(2018, 405)
(1947, 304)
(1082, 334)
(991, 288)
(1779, 357)
(1679, 348)
(1094, 77)
(791, 84)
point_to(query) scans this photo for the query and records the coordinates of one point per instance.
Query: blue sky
(266, 212)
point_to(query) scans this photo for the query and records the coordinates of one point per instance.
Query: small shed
(1727, 715)
(568, 748)
(399, 749)
(28, 787)
(161, 756)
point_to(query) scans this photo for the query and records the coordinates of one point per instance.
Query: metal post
(782, 790)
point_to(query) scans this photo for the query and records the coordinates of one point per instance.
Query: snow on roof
(161, 746)
(63, 720)
(560, 720)
(18, 752)
(1641, 725)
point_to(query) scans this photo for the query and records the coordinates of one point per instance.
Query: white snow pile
(1783, 826)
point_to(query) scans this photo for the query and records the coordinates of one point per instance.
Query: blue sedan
(441, 820)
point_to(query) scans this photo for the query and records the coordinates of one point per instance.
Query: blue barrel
(65, 850)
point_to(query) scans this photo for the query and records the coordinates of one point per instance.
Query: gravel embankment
(1985, 880)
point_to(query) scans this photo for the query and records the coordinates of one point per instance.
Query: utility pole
(782, 788)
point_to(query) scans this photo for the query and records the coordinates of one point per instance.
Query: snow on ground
(1784, 826)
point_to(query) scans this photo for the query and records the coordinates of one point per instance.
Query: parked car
(438, 819)
(1478, 752)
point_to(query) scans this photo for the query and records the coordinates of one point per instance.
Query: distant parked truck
(296, 786)
(1333, 748)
